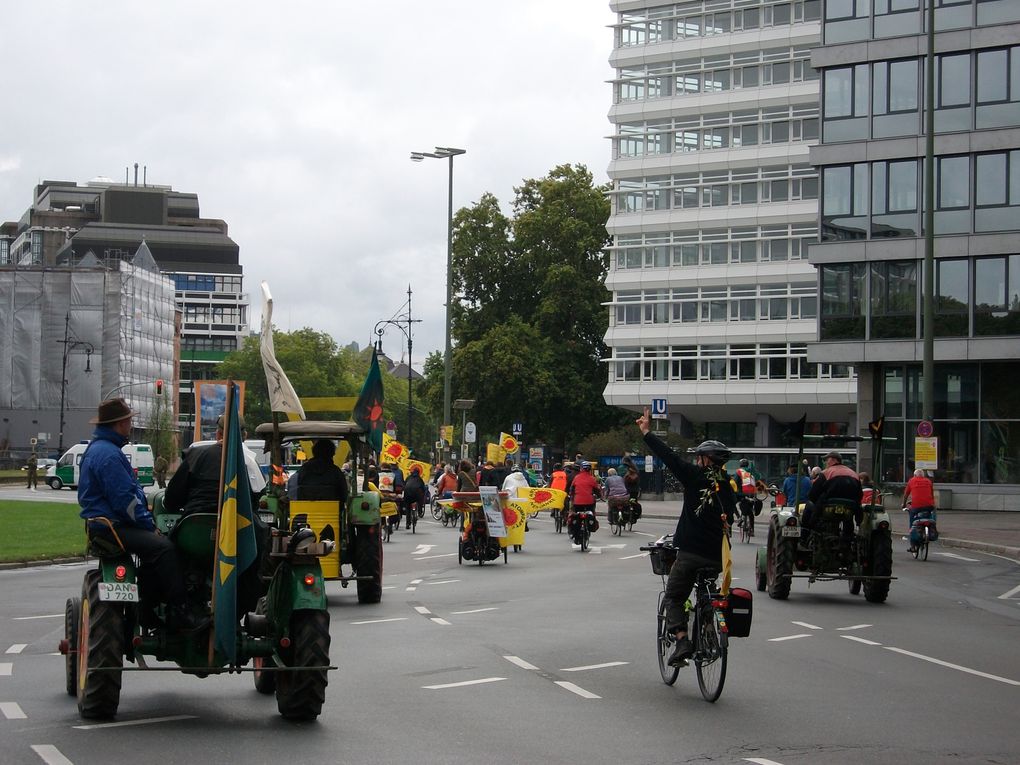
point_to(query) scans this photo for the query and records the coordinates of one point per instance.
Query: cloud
(294, 124)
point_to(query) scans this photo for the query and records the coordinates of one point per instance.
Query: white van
(68, 467)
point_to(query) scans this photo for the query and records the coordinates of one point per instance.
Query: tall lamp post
(380, 329)
(445, 152)
(70, 345)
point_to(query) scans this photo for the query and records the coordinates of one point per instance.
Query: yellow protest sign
(515, 515)
(495, 453)
(509, 443)
(392, 450)
(542, 499)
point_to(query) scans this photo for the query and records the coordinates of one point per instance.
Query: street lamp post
(380, 328)
(70, 345)
(445, 152)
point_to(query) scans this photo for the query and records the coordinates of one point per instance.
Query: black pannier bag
(738, 613)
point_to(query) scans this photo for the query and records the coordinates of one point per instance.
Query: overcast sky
(294, 122)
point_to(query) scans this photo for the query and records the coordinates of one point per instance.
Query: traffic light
(159, 387)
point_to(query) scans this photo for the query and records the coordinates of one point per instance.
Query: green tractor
(286, 633)
(836, 548)
(356, 530)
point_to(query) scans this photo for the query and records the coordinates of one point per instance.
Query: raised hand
(644, 422)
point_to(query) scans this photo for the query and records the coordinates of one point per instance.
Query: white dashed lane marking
(595, 666)
(577, 689)
(12, 711)
(521, 662)
(131, 723)
(50, 754)
(6, 668)
(859, 640)
(462, 684)
(475, 611)
(44, 616)
(852, 627)
(380, 621)
(788, 637)
(17, 648)
(807, 626)
(958, 557)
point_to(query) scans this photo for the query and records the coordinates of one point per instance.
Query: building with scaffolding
(70, 337)
(104, 222)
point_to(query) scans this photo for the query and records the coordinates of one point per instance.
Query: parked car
(43, 464)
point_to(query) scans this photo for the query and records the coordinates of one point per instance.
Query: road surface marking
(639, 555)
(520, 662)
(807, 626)
(380, 621)
(475, 610)
(6, 667)
(444, 581)
(50, 754)
(17, 648)
(788, 637)
(127, 723)
(852, 627)
(595, 550)
(12, 711)
(761, 761)
(595, 666)
(422, 549)
(577, 689)
(1010, 594)
(422, 610)
(439, 620)
(645, 534)
(44, 616)
(462, 684)
(860, 640)
(958, 557)
(444, 555)
(941, 663)
(389, 587)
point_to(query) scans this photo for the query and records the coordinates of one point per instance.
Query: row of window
(976, 417)
(207, 283)
(976, 90)
(709, 247)
(214, 313)
(689, 20)
(973, 193)
(850, 20)
(691, 305)
(759, 185)
(976, 297)
(750, 361)
(715, 74)
(760, 127)
(193, 343)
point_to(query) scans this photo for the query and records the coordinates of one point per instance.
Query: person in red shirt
(920, 494)
(583, 491)
(447, 483)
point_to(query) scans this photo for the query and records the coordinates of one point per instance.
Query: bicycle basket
(662, 558)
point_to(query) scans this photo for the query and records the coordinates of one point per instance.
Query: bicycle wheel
(745, 533)
(437, 511)
(584, 534)
(558, 517)
(664, 645)
(710, 654)
(924, 545)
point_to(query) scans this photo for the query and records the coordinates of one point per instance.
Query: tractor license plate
(125, 592)
(791, 531)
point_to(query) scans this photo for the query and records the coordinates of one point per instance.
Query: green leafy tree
(161, 431)
(529, 320)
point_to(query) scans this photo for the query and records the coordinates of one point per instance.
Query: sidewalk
(997, 533)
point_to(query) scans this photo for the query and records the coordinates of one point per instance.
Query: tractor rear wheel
(368, 561)
(300, 694)
(72, 619)
(265, 682)
(100, 647)
(778, 565)
(880, 560)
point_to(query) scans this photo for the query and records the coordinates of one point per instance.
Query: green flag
(368, 412)
(235, 541)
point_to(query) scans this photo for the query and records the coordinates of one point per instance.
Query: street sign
(470, 433)
(463, 451)
(649, 464)
(659, 410)
(517, 429)
(391, 429)
(926, 453)
(925, 429)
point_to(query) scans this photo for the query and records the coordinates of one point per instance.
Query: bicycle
(580, 534)
(620, 516)
(707, 628)
(924, 523)
(436, 508)
(558, 515)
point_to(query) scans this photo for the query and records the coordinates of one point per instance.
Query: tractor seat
(103, 540)
(195, 536)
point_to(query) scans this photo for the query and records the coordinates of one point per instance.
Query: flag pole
(219, 512)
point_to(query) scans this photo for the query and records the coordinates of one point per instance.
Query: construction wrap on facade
(80, 334)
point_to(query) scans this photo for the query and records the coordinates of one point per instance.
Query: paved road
(550, 659)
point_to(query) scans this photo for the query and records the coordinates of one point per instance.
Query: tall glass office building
(871, 162)
(715, 200)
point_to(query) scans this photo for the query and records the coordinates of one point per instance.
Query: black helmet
(716, 451)
(744, 463)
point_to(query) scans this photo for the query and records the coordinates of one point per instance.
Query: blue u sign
(658, 407)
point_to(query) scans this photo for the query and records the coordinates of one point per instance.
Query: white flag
(282, 397)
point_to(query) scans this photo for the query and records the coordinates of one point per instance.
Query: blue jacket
(790, 488)
(107, 487)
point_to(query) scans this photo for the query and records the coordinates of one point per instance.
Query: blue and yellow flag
(235, 541)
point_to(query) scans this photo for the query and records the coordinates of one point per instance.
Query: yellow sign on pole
(926, 453)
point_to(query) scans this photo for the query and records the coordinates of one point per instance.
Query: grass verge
(40, 531)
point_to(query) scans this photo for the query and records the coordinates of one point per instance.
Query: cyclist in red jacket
(919, 501)
(583, 491)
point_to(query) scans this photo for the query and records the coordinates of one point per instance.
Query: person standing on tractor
(108, 489)
(709, 507)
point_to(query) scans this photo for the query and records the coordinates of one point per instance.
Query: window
(952, 288)
(895, 87)
(998, 87)
(842, 301)
(952, 72)
(894, 299)
(844, 202)
(846, 92)
(997, 295)
(894, 199)
(953, 184)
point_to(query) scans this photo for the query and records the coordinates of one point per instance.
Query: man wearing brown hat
(838, 484)
(108, 488)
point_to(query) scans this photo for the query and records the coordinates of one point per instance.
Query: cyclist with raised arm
(709, 508)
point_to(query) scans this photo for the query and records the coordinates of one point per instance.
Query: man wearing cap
(108, 488)
(837, 484)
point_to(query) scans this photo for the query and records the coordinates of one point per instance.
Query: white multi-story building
(714, 202)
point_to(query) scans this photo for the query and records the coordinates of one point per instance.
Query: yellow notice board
(926, 453)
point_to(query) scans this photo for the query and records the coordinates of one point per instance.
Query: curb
(12, 565)
(986, 547)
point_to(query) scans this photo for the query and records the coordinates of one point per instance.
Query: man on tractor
(113, 505)
(837, 489)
